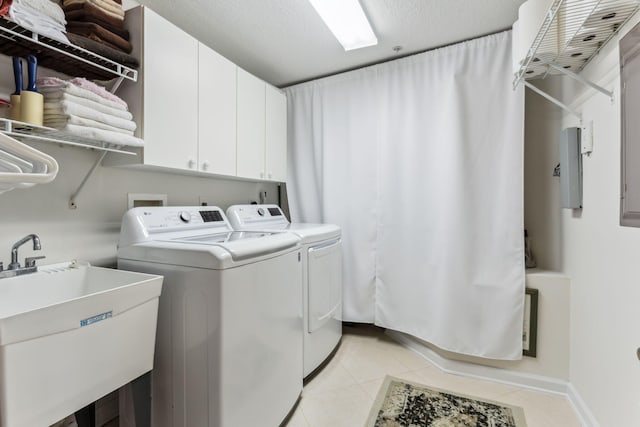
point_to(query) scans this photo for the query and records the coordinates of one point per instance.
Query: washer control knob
(260, 211)
(185, 216)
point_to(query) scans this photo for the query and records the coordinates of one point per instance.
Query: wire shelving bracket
(582, 29)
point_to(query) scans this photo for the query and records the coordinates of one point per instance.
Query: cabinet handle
(261, 174)
(191, 163)
(205, 165)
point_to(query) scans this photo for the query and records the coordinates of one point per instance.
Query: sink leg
(141, 388)
(86, 417)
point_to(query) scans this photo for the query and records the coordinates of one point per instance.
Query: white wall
(602, 259)
(542, 217)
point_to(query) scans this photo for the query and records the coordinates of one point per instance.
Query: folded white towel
(53, 92)
(44, 7)
(63, 120)
(62, 100)
(102, 135)
(31, 16)
(65, 109)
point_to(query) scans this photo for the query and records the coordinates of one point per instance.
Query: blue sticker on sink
(97, 318)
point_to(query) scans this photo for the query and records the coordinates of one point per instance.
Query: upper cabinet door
(251, 126)
(170, 94)
(276, 135)
(216, 113)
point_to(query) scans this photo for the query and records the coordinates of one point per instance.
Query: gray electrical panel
(570, 169)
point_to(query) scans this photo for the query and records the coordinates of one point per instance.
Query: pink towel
(98, 90)
(84, 84)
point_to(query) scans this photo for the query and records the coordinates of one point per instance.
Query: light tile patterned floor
(342, 393)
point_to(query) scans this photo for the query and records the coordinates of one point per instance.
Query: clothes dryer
(321, 275)
(229, 338)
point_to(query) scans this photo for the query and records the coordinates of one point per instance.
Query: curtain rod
(382, 61)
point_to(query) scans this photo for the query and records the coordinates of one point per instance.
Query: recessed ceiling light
(347, 22)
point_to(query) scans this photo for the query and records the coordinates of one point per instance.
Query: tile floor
(341, 394)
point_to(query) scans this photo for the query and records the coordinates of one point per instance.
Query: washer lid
(222, 237)
(198, 236)
(243, 245)
(270, 218)
(310, 233)
(206, 253)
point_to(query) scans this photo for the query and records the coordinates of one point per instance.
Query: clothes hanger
(24, 165)
(7, 166)
(46, 170)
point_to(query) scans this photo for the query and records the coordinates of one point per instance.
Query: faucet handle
(31, 261)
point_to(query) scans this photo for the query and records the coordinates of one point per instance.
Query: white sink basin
(70, 334)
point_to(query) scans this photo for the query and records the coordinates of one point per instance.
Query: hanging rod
(552, 99)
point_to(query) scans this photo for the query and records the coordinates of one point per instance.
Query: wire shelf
(572, 33)
(66, 58)
(28, 131)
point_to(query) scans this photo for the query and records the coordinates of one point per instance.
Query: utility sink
(69, 334)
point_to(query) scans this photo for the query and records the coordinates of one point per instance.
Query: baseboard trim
(520, 379)
(580, 407)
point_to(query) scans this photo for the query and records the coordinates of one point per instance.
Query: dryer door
(324, 283)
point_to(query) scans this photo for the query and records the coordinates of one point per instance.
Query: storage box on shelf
(198, 112)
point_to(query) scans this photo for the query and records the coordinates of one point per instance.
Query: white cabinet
(197, 111)
(216, 113)
(275, 135)
(170, 94)
(262, 129)
(251, 126)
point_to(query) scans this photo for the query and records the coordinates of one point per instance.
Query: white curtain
(420, 161)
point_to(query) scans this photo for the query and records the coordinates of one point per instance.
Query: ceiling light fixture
(347, 21)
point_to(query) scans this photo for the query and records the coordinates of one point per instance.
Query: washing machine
(229, 337)
(321, 275)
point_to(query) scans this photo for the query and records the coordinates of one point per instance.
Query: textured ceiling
(285, 41)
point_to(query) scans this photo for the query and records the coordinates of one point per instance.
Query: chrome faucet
(14, 268)
(14, 250)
